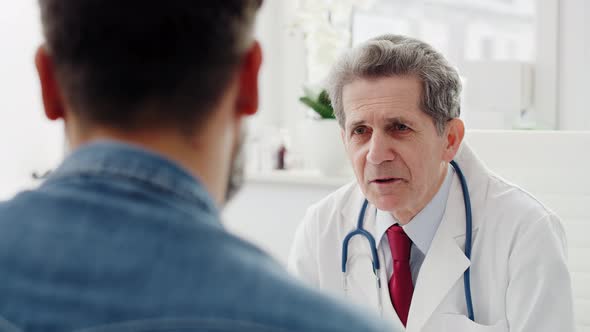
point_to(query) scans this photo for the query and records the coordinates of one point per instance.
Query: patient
(126, 232)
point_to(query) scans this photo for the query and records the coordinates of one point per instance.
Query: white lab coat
(519, 278)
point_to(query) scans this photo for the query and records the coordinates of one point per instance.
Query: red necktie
(401, 287)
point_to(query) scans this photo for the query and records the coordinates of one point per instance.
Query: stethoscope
(373, 245)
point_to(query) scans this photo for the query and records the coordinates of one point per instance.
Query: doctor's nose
(380, 150)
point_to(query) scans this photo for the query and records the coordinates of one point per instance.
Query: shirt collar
(422, 228)
(139, 166)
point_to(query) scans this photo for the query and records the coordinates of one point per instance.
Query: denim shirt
(122, 239)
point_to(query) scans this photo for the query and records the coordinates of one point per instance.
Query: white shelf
(298, 177)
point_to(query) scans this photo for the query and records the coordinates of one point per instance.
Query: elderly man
(125, 234)
(427, 235)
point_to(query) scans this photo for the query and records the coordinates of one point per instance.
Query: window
(492, 43)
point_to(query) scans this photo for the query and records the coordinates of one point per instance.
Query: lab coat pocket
(459, 323)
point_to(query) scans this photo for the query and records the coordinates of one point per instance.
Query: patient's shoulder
(298, 308)
(266, 293)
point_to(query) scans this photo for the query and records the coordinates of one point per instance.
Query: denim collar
(134, 164)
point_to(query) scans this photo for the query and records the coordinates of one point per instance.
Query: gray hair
(392, 55)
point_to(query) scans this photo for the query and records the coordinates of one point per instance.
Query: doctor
(397, 102)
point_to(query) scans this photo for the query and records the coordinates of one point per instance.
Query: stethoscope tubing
(468, 240)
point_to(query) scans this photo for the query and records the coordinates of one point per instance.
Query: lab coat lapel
(446, 262)
(443, 265)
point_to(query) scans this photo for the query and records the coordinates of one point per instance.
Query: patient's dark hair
(133, 64)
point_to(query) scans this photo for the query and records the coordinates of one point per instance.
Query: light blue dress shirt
(421, 229)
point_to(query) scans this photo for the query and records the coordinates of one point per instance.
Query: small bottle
(281, 154)
(282, 150)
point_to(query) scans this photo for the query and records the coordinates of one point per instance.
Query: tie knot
(399, 242)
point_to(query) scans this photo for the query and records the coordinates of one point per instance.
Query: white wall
(283, 67)
(574, 65)
(268, 214)
(27, 141)
(560, 76)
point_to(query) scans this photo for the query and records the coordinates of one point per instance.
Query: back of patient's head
(136, 64)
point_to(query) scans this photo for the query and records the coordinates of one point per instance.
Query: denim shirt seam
(191, 196)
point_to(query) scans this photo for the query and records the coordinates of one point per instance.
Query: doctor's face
(398, 157)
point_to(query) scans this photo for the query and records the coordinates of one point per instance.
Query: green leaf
(325, 111)
(324, 99)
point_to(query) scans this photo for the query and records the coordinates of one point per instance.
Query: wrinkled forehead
(384, 97)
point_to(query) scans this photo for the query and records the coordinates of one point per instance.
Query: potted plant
(326, 26)
(323, 148)
(320, 104)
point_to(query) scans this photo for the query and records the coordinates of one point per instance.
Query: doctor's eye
(400, 127)
(359, 130)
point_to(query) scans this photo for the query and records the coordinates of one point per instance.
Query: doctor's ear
(453, 137)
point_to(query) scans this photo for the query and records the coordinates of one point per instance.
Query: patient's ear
(248, 80)
(52, 100)
(453, 137)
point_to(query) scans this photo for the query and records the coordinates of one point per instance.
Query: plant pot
(323, 148)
